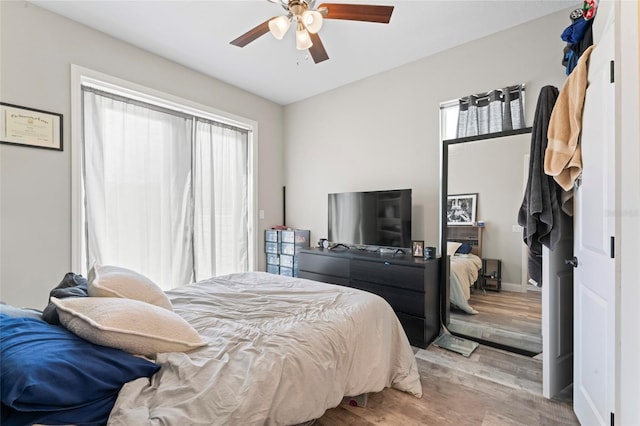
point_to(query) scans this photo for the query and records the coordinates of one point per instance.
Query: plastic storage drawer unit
(273, 248)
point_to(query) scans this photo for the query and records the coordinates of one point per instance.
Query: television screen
(376, 218)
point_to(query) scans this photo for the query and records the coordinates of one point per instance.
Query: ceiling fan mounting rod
(297, 7)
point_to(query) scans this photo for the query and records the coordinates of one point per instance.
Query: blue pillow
(464, 249)
(96, 413)
(46, 368)
(19, 312)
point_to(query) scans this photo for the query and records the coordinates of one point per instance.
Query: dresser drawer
(409, 302)
(270, 247)
(287, 272)
(298, 236)
(273, 259)
(324, 278)
(384, 273)
(290, 249)
(324, 265)
(416, 329)
(272, 235)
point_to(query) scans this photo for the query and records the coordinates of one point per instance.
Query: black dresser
(410, 285)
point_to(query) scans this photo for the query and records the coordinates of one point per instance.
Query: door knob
(573, 262)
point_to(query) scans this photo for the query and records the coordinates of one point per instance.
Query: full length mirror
(500, 307)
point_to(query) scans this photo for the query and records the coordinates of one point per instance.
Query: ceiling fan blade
(357, 12)
(317, 50)
(252, 34)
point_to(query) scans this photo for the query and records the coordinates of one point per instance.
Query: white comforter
(463, 273)
(280, 351)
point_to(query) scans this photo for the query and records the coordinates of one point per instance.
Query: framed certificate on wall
(30, 127)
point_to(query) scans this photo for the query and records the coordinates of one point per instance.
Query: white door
(557, 313)
(594, 292)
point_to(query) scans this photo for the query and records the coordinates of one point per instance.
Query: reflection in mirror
(508, 308)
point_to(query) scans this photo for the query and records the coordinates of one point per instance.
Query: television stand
(409, 284)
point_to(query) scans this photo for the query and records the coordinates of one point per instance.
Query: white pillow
(114, 281)
(127, 324)
(452, 246)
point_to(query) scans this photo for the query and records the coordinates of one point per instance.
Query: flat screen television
(372, 218)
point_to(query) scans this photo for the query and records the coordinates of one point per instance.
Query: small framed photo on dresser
(417, 248)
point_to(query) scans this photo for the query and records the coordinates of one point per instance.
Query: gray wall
(383, 132)
(372, 134)
(37, 49)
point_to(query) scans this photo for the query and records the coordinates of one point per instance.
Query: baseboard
(513, 287)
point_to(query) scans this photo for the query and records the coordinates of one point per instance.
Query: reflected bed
(464, 248)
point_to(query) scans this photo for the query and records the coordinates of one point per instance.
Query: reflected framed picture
(461, 209)
(417, 248)
(30, 127)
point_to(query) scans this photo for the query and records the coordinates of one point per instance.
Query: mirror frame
(445, 302)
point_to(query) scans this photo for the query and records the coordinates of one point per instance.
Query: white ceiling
(197, 35)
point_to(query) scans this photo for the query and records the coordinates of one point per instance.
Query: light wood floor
(490, 388)
(506, 318)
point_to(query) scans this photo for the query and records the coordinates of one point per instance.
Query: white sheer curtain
(221, 237)
(137, 170)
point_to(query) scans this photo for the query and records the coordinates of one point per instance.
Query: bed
(275, 350)
(464, 249)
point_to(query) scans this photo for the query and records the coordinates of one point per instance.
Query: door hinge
(612, 73)
(613, 247)
(612, 420)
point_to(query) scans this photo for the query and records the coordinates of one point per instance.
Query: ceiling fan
(308, 21)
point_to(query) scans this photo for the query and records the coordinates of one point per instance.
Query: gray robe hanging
(540, 209)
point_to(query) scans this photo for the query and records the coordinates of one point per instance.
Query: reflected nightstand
(491, 274)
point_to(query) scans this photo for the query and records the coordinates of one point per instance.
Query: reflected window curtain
(221, 236)
(351, 216)
(137, 174)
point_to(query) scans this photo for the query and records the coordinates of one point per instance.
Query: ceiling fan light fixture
(312, 20)
(309, 20)
(279, 26)
(303, 40)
